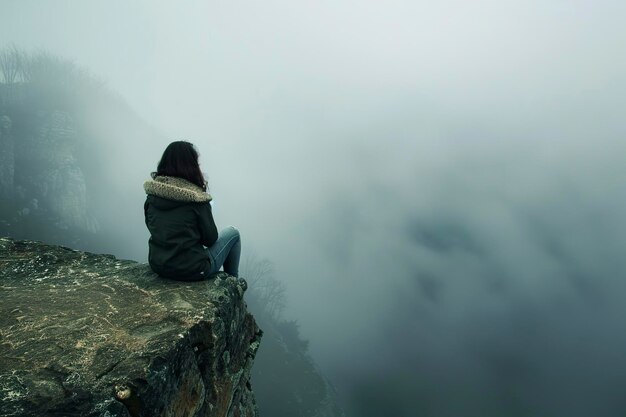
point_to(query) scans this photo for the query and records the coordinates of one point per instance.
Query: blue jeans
(225, 251)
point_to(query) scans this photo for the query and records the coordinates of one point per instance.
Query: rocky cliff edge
(90, 335)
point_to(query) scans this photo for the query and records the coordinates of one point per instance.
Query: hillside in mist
(61, 182)
(59, 177)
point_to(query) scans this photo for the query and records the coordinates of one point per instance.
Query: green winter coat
(178, 215)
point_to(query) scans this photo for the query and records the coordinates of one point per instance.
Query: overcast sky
(439, 184)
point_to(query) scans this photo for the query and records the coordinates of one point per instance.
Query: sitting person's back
(179, 217)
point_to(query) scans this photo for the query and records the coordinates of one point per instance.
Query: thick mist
(441, 187)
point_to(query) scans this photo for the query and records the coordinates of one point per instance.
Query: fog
(440, 185)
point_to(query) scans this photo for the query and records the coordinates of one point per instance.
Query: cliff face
(286, 379)
(7, 158)
(91, 335)
(53, 175)
(40, 174)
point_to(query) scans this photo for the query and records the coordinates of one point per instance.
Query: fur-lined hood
(177, 189)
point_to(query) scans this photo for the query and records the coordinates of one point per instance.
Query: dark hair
(180, 159)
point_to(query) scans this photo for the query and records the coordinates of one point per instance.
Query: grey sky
(439, 184)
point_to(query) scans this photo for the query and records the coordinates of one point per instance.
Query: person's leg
(226, 251)
(231, 263)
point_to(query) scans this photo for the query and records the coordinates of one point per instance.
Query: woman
(178, 215)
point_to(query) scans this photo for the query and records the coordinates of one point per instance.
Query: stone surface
(90, 335)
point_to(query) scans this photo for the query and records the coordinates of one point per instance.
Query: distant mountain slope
(61, 133)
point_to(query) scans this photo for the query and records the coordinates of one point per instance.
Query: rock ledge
(90, 335)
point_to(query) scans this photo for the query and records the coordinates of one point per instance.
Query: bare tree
(255, 269)
(45, 67)
(265, 290)
(10, 64)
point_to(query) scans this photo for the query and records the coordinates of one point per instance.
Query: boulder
(83, 334)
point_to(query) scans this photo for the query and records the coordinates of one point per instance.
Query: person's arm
(145, 211)
(208, 230)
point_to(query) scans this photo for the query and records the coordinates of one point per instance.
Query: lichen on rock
(90, 335)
